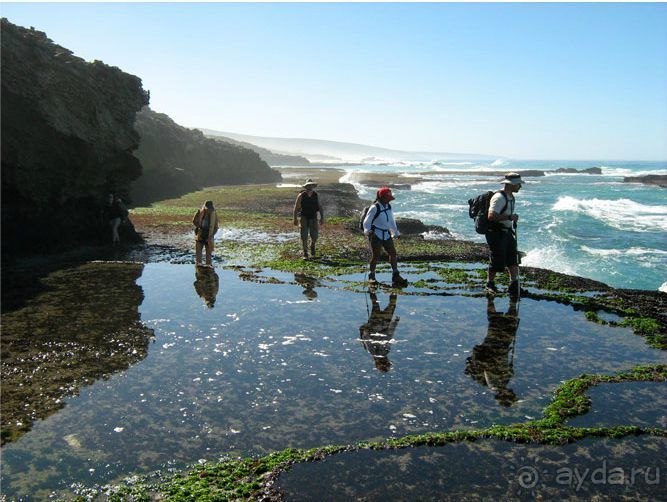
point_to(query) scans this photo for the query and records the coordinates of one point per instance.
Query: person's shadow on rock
(492, 362)
(206, 285)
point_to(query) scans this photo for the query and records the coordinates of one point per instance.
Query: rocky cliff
(67, 138)
(177, 160)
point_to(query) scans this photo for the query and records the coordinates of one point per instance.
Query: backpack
(479, 210)
(365, 212)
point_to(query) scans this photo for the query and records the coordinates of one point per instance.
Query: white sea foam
(456, 207)
(425, 216)
(550, 257)
(499, 162)
(663, 287)
(624, 171)
(634, 251)
(436, 187)
(622, 214)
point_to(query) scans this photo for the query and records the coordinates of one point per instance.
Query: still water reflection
(602, 469)
(269, 368)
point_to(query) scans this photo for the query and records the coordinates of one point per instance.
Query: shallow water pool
(236, 367)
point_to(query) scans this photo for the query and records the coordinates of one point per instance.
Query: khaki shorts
(377, 244)
(309, 226)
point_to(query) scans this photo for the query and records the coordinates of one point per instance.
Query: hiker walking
(501, 235)
(376, 334)
(306, 207)
(381, 230)
(206, 225)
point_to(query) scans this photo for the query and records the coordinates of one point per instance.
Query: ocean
(593, 226)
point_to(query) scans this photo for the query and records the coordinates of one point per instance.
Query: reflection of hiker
(206, 285)
(501, 237)
(306, 207)
(309, 283)
(381, 230)
(116, 212)
(489, 364)
(206, 225)
(378, 331)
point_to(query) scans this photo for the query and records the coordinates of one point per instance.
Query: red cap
(385, 191)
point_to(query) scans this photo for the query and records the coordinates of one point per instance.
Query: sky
(523, 81)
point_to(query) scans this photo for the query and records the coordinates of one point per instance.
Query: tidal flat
(269, 361)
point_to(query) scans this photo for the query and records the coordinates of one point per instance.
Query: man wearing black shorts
(501, 237)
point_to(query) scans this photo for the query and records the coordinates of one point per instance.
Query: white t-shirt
(385, 225)
(496, 205)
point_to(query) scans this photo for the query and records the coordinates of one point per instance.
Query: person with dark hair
(501, 236)
(378, 332)
(306, 207)
(381, 229)
(492, 362)
(116, 214)
(205, 221)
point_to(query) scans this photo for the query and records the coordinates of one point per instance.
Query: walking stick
(518, 268)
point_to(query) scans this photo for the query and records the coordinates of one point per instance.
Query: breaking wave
(621, 214)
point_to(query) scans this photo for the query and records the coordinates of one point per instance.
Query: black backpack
(365, 212)
(479, 210)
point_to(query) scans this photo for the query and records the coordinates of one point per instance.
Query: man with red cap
(380, 228)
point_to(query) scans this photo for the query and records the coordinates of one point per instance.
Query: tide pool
(223, 366)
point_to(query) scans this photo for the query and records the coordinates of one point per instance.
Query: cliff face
(67, 138)
(177, 160)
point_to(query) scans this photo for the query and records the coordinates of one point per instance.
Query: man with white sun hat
(306, 208)
(501, 236)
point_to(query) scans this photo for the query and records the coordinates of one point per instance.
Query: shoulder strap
(377, 211)
(506, 200)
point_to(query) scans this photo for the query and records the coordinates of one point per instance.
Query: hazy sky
(577, 81)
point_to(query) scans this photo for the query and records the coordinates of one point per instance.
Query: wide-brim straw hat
(309, 183)
(512, 179)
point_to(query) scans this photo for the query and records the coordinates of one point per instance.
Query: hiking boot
(372, 279)
(397, 280)
(305, 255)
(514, 289)
(312, 250)
(491, 288)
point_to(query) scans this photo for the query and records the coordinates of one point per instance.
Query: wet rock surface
(651, 179)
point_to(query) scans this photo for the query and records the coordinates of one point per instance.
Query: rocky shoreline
(260, 243)
(651, 179)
